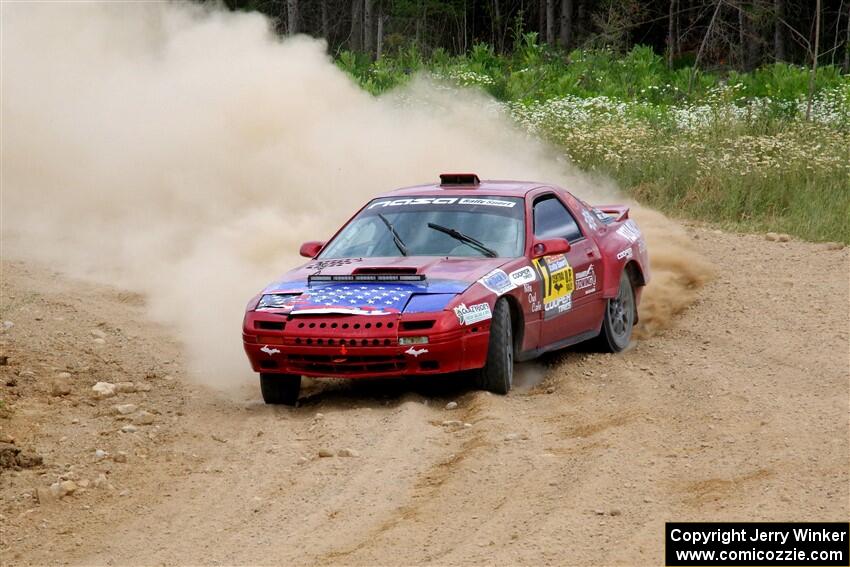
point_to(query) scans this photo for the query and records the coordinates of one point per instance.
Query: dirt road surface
(739, 411)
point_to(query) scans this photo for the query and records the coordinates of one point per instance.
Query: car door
(567, 311)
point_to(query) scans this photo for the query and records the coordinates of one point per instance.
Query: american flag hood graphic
(363, 298)
(339, 289)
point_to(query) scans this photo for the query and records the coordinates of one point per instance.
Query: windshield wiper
(396, 238)
(465, 238)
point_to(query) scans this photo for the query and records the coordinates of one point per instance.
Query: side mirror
(311, 249)
(551, 246)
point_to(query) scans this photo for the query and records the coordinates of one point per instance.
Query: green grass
(734, 148)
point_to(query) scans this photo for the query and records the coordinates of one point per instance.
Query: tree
(356, 36)
(550, 22)
(292, 17)
(671, 33)
(367, 27)
(566, 36)
(779, 30)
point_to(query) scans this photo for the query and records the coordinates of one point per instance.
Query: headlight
(275, 300)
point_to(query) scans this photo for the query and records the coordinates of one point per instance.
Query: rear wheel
(497, 374)
(280, 388)
(619, 318)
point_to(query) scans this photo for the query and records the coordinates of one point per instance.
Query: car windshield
(433, 226)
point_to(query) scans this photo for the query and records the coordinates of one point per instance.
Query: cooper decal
(627, 253)
(473, 314)
(522, 276)
(497, 281)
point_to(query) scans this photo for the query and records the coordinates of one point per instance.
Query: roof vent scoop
(455, 179)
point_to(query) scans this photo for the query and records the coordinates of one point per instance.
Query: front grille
(342, 331)
(339, 342)
(340, 365)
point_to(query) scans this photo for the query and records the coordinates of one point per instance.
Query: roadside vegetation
(732, 148)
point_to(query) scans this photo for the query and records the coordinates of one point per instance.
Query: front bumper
(359, 346)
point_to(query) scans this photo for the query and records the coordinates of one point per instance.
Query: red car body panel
(363, 341)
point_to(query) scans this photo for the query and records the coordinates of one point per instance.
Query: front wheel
(280, 388)
(619, 318)
(498, 373)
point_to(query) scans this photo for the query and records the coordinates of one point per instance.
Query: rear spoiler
(619, 212)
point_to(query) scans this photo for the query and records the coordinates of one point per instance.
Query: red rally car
(464, 275)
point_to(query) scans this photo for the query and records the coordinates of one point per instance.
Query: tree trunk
(420, 28)
(325, 28)
(566, 23)
(367, 27)
(550, 22)
(581, 18)
(541, 19)
(379, 45)
(779, 30)
(814, 70)
(847, 45)
(742, 36)
(292, 17)
(354, 39)
(671, 33)
(499, 41)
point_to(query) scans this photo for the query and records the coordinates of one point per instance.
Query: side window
(553, 220)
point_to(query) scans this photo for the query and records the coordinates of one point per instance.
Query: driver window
(553, 220)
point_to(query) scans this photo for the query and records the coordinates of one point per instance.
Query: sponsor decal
(473, 314)
(627, 253)
(415, 352)
(442, 201)
(603, 217)
(557, 282)
(497, 281)
(523, 276)
(629, 231)
(586, 279)
(487, 202)
(558, 306)
(589, 219)
(270, 351)
(533, 302)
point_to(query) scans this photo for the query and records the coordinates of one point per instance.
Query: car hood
(443, 278)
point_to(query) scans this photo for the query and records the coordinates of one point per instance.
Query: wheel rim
(621, 313)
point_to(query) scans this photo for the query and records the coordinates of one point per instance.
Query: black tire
(498, 373)
(280, 388)
(619, 318)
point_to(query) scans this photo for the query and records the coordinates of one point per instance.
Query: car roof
(506, 188)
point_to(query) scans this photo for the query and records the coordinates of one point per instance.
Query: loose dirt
(738, 411)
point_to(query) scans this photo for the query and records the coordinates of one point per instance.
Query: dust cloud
(184, 152)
